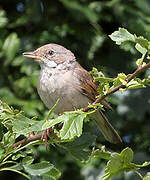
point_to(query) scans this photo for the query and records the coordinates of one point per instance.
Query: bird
(62, 77)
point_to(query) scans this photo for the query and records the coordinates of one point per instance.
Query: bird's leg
(46, 134)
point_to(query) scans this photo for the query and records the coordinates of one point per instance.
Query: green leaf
(80, 147)
(8, 138)
(11, 46)
(114, 166)
(53, 122)
(122, 162)
(120, 79)
(141, 49)
(122, 36)
(72, 126)
(139, 62)
(95, 73)
(27, 160)
(126, 156)
(101, 153)
(142, 41)
(147, 177)
(103, 79)
(17, 156)
(134, 84)
(42, 168)
(23, 125)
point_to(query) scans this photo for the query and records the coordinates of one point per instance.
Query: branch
(134, 74)
(98, 100)
(27, 140)
(32, 137)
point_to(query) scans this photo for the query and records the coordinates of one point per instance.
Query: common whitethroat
(62, 77)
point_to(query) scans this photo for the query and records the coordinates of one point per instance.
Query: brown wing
(88, 86)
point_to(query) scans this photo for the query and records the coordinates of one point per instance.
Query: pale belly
(62, 87)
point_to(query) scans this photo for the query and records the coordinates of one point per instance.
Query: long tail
(106, 128)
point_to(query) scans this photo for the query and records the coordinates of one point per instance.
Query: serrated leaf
(126, 156)
(122, 36)
(95, 73)
(142, 41)
(120, 79)
(72, 126)
(23, 125)
(122, 76)
(114, 166)
(121, 163)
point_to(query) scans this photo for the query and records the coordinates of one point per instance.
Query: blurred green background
(83, 27)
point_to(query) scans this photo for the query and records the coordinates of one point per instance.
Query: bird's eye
(50, 52)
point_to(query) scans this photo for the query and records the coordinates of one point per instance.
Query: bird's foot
(45, 136)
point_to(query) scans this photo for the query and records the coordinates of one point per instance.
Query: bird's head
(51, 55)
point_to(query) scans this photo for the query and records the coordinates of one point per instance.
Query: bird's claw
(45, 136)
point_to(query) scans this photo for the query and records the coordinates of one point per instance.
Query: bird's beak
(31, 55)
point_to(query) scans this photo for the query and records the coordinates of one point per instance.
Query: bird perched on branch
(62, 77)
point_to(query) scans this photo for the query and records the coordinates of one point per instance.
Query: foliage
(83, 27)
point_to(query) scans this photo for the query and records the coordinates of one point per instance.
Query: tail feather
(106, 128)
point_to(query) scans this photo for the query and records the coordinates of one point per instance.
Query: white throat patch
(51, 64)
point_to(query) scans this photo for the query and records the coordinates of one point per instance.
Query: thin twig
(27, 140)
(134, 74)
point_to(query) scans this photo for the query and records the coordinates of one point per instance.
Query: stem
(141, 177)
(14, 170)
(26, 141)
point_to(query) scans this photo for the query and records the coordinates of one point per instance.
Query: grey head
(51, 55)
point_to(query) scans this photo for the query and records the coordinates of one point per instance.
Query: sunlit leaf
(141, 49)
(122, 36)
(72, 126)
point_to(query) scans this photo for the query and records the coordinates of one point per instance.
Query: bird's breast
(54, 85)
